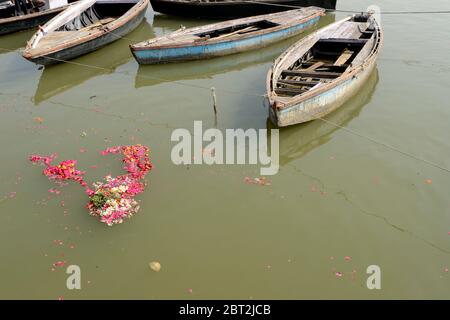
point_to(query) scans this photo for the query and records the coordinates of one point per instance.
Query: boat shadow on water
(149, 75)
(297, 141)
(58, 78)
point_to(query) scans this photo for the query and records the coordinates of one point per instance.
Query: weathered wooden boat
(11, 21)
(84, 27)
(226, 38)
(232, 8)
(321, 72)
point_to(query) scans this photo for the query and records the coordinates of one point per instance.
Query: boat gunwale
(130, 14)
(141, 46)
(351, 72)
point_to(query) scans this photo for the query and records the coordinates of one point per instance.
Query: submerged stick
(213, 92)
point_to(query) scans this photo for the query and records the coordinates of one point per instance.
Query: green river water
(337, 194)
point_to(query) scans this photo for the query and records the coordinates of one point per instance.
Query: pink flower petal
(59, 264)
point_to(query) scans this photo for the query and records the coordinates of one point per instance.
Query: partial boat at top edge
(36, 15)
(219, 9)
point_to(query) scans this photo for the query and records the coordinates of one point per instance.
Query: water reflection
(58, 78)
(149, 75)
(297, 141)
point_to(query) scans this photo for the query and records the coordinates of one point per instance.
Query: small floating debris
(58, 242)
(262, 181)
(38, 119)
(155, 266)
(55, 191)
(59, 264)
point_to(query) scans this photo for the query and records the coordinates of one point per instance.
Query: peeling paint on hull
(197, 52)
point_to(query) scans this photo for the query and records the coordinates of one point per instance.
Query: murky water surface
(337, 194)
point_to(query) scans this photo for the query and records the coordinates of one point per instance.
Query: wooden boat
(321, 72)
(232, 8)
(11, 22)
(84, 27)
(226, 38)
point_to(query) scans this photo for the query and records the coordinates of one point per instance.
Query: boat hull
(322, 104)
(232, 9)
(29, 21)
(85, 47)
(210, 50)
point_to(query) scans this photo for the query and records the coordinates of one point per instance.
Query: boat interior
(325, 61)
(238, 29)
(216, 34)
(224, 31)
(100, 13)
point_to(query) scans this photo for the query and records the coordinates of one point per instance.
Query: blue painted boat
(226, 38)
(321, 72)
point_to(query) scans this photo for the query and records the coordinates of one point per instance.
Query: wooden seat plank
(344, 57)
(311, 74)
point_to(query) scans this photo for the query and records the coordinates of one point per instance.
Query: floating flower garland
(111, 200)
